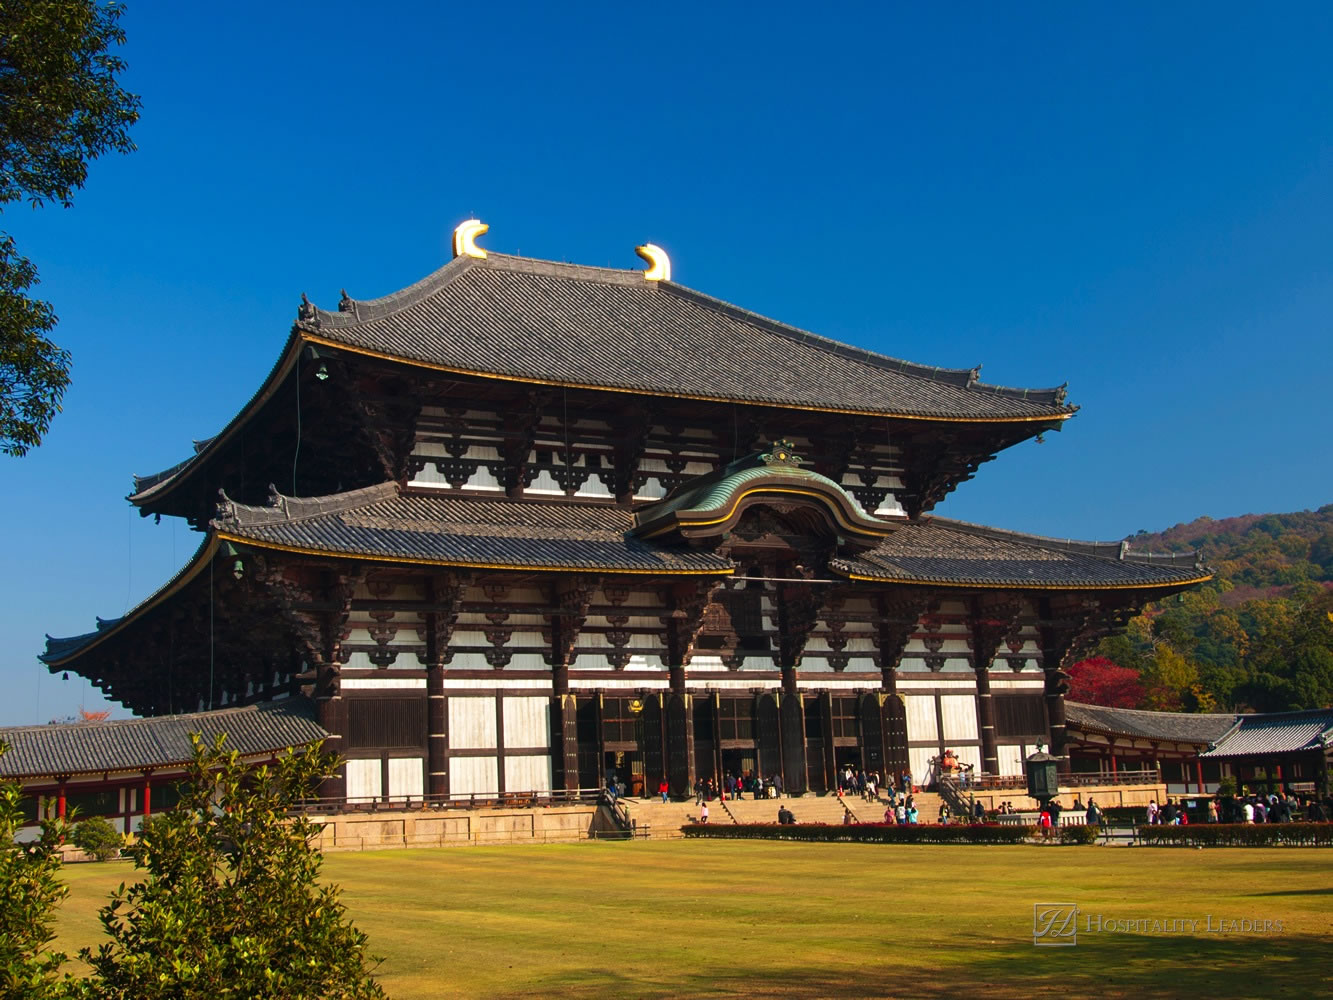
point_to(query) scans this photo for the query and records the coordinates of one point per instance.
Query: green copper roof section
(777, 470)
(714, 496)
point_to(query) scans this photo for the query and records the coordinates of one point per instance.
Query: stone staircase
(664, 821)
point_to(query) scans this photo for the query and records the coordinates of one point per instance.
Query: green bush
(98, 837)
(866, 833)
(230, 902)
(1239, 835)
(1079, 834)
(30, 890)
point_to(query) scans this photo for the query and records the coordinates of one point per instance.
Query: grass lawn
(736, 918)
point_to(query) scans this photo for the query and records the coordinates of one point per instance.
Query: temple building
(524, 523)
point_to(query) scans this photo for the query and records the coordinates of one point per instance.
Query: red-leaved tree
(1098, 681)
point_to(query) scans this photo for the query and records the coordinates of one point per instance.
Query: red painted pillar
(60, 800)
(1198, 773)
(147, 796)
(1113, 762)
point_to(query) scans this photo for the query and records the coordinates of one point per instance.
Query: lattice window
(386, 722)
(619, 724)
(844, 718)
(735, 717)
(1019, 715)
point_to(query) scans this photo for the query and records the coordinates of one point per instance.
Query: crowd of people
(1270, 807)
(1249, 807)
(737, 786)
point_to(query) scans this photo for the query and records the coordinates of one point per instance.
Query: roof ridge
(283, 508)
(1153, 712)
(353, 312)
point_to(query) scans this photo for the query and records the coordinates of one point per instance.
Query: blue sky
(1134, 198)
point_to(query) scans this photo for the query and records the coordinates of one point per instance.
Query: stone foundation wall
(359, 831)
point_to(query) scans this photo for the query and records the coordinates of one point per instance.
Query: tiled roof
(1180, 727)
(1285, 732)
(572, 325)
(377, 522)
(134, 744)
(564, 324)
(937, 550)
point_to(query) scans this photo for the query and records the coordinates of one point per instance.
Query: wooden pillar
(1198, 773)
(830, 751)
(147, 795)
(437, 733)
(60, 799)
(990, 754)
(565, 739)
(331, 713)
(791, 712)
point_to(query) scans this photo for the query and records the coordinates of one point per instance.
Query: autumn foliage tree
(1099, 681)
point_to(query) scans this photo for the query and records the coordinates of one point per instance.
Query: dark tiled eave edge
(148, 488)
(1153, 570)
(254, 731)
(308, 332)
(515, 566)
(1103, 719)
(1248, 726)
(321, 528)
(239, 527)
(61, 650)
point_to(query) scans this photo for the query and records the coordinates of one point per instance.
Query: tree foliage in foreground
(60, 107)
(30, 890)
(230, 905)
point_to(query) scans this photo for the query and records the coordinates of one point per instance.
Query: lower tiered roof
(384, 524)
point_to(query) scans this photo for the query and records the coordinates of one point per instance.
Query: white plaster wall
(406, 777)
(921, 717)
(1011, 759)
(364, 779)
(960, 717)
(527, 723)
(528, 774)
(473, 776)
(472, 723)
(918, 759)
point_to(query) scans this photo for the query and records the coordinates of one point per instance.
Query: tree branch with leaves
(61, 107)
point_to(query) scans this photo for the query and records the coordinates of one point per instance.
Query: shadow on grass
(1295, 892)
(1106, 966)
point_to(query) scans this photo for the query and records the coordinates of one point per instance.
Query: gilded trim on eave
(533, 380)
(462, 564)
(1031, 586)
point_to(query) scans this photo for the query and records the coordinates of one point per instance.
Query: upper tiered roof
(565, 324)
(515, 319)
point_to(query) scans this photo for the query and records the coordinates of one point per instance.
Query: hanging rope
(211, 559)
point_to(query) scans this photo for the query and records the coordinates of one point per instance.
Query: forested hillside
(1259, 637)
